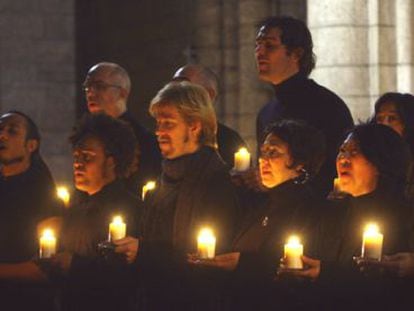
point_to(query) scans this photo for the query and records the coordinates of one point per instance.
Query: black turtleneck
(301, 98)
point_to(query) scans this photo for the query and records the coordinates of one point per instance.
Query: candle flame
(117, 220)
(293, 240)
(243, 151)
(371, 229)
(205, 235)
(63, 193)
(48, 233)
(150, 185)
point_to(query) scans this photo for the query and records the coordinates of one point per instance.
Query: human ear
(32, 145)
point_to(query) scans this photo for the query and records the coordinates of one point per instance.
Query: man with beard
(194, 191)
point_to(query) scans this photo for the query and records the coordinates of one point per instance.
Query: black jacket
(302, 98)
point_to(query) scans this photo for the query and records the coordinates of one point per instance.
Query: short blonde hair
(193, 104)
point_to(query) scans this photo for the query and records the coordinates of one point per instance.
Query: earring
(303, 178)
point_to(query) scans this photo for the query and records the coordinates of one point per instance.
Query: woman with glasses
(291, 155)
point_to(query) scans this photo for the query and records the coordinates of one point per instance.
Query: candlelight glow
(243, 151)
(117, 220)
(63, 194)
(48, 233)
(206, 243)
(117, 229)
(242, 160)
(148, 187)
(371, 229)
(293, 240)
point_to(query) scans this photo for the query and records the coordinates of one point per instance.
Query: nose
(3, 135)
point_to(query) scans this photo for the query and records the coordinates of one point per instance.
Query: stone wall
(37, 72)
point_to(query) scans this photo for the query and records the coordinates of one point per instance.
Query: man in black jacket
(284, 57)
(194, 191)
(107, 87)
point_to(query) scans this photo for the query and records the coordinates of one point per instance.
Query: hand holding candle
(117, 229)
(242, 160)
(47, 244)
(206, 244)
(63, 194)
(147, 187)
(372, 242)
(293, 253)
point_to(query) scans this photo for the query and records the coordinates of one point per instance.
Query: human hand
(127, 246)
(311, 270)
(226, 262)
(401, 264)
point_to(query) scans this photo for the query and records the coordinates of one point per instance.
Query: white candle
(293, 253)
(117, 229)
(242, 160)
(148, 187)
(206, 244)
(63, 194)
(337, 187)
(372, 242)
(47, 244)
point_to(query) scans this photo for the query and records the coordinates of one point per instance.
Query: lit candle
(47, 244)
(147, 187)
(206, 244)
(117, 229)
(242, 160)
(293, 253)
(63, 194)
(372, 242)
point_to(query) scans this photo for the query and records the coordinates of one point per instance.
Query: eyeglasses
(268, 152)
(98, 86)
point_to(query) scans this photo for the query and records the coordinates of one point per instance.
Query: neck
(15, 168)
(287, 76)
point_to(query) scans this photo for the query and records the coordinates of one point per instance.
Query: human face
(15, 149)
(275, 162)
(274, 62)
(357, 176)
(389, 116)
(104, 93)
(175, 137)
(92, 168)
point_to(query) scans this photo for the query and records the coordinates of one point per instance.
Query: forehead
(350, 142)
(100, 73)
(269, 33)
(13, 119)
(274, 140)
(167, 111)
(90, 143)
(388, 107)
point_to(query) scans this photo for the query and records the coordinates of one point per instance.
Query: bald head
(107, 87)
(200, 75)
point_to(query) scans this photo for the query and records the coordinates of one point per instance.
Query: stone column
(404, 10)
(37, 66)
(354, 44)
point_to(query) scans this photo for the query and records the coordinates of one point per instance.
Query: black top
(229, 142)
(287, 209)
(302, 98)
(195, 190)
(94, 281)
(149, 166)
(26, 199)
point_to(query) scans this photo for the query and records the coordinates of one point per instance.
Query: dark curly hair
(404, 104)
(306, 144)
(116, 135)
(294, 35)
(387, 151)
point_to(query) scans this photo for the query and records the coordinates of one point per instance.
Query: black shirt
(301, 98)
(25, 199)
(229, 142)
